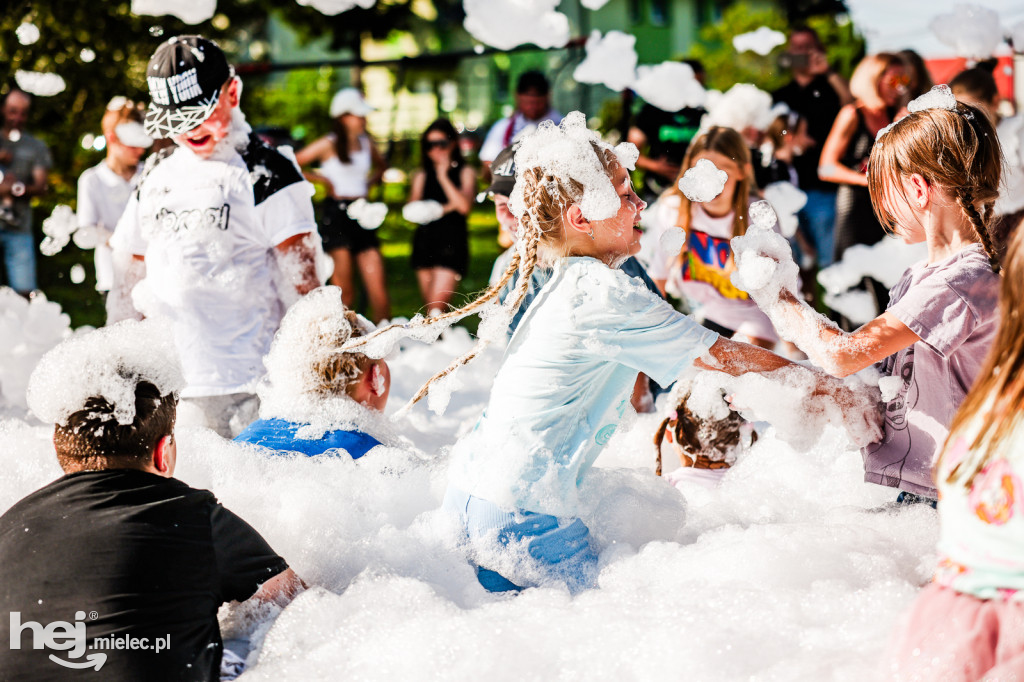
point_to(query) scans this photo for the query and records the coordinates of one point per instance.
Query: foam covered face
(203, 139)
(618, 237)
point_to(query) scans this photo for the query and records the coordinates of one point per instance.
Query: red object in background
(942, 70)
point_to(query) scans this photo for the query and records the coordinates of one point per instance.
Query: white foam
(77, 273)
(422, 212)
(58, 228)
(762, 41)
(369, 215)
(27, 32)
(742, 106)
(672, 240)
(787, 199)
(971, 30)
(505, 24)
(189, 11)
(107, 363)
(703, 181)
(939, 97)
(567, 151)
(885, 261)
(610, 60)
(39, 83)
(333, 7)
(593, 4)
(670, 86)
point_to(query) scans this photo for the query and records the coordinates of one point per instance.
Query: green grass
(85, 305)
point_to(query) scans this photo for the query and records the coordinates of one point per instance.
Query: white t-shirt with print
(207, 229)
(102, 197)
(565, 383)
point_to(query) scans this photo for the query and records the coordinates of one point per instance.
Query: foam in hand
(787, 199)
(423, 212)
(703, 181)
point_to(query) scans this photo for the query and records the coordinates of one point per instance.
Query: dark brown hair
(93, 439)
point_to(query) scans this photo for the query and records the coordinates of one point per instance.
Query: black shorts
(443, 243)
(339, 231)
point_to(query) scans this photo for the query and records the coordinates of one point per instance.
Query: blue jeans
(818, 218)
(19, 260)
(554, 551)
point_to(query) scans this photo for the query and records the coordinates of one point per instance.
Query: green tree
(725, 66)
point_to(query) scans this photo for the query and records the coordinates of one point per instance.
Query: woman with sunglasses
(440, 249)
(878, 85)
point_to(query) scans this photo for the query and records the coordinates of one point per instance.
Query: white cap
(133, 134)
(349, 101)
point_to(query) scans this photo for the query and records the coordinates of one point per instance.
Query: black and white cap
(185, 77)
(503, 171)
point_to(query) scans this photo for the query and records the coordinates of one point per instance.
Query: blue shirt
(278, 434)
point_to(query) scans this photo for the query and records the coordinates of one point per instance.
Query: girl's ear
(920, 190)
(574, 219)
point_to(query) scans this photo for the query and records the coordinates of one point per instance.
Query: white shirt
(565, 383)
(210, 264)
(350, 179)
(102, 196)
(504, 132)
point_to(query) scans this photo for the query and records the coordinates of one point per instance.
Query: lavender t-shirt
(952, 306)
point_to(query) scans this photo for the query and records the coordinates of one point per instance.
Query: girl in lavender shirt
(933, 178)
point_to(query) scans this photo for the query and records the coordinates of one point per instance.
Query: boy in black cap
(225, 227)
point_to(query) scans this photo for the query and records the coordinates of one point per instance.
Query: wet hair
(546, 197)
(441, 125)
(976, 84)
(727, 142)
(956, 151)
(534, 81)
(92, 439)
(340, 372)
(868, 76)
(992, 406)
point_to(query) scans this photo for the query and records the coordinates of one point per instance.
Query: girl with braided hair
(516, 481)
(933, 177)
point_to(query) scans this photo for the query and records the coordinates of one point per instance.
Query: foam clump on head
(939, 97)
(567, 152)
(703, 182)
(106, 363)
(312, 335)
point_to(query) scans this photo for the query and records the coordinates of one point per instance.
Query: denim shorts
(19, 252)
(513, 550)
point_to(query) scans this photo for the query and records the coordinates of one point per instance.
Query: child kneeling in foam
(317, 398)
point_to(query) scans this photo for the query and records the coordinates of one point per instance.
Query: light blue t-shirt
(565, 383)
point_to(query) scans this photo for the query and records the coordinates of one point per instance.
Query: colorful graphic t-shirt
(981, 541)
(565, 382)
(952, 306)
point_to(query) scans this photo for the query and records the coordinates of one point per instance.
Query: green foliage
(726, 67)
(843, 44)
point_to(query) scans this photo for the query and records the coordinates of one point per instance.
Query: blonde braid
(965, 198)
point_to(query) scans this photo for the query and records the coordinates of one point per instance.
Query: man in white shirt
(533, 105)
(225, 227)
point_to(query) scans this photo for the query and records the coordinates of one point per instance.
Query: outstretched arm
(281, 589)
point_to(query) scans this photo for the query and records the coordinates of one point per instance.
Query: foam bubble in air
(672, 240)
(885, 261)
(971, 30)
(333, 7)
(77, 274)
(423, 212)
(669, 86)
(505, 24)
(58, 228)
(939, 97)
(593, 4)
(703, 182)
(189, 11)
(610, 60)
(369, 215)
(742, 106)
(108, 363)
(27, 32)
(787, 199)
(762, 41)
(39, 83)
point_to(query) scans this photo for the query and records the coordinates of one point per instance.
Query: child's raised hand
(764, 260)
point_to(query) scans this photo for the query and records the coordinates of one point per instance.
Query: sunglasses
(436, 144)
(899, 81)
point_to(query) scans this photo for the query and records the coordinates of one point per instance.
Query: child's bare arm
(735, 358)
